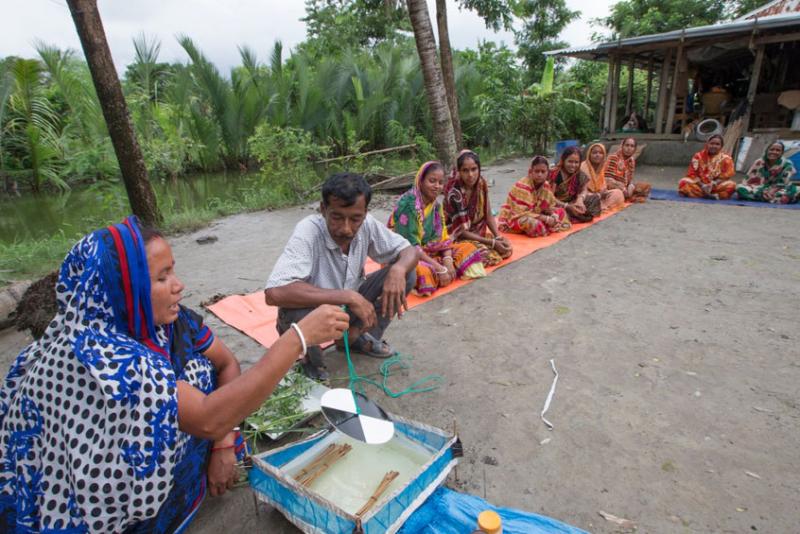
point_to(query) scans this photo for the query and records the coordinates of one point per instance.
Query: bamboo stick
(317, 459)
(320, 460)
(324, 464)
(368, 153)
(387, 480)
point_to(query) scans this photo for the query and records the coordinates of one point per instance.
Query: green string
(388, 367)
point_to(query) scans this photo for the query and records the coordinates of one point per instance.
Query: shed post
(751, 91)
(615, 94)
(607, 102)
(673, 94)
(649, 92)
(662, 92)
(629, 95)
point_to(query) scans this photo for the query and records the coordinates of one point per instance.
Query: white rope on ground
(550, 396)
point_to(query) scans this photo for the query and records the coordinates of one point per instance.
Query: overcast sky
(218, 27)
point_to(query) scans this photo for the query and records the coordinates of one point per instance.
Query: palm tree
(32, 131)
(443, 136)
(448, 73)
(237, 106)
(6, 86)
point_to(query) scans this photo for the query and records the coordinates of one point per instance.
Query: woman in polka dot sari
(119, 418)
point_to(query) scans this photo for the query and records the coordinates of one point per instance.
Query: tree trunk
(115, 110)
(434, 86)
(448, 72)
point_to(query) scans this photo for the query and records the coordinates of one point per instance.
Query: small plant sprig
(281, 411)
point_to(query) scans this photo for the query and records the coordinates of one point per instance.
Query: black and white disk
(367, 423)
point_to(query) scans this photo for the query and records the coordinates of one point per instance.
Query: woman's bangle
(214, 449)
(301, 336)
(448, 258)
(443, 271)
(494, 239)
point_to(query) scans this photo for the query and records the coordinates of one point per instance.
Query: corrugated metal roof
(776, 7)
(713, 30)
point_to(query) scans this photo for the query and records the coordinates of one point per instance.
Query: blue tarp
(669, 194)
(451, 512)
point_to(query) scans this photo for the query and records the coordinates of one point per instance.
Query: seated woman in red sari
(531, 208)
(469, 216)
(594, 166)
(620, 170)
(571, 187)
(419, 217)
(710, 173)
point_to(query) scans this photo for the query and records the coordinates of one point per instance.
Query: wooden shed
(746, 70)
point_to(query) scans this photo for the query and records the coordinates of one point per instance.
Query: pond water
(33, 217)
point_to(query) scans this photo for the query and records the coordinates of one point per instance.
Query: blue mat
(670, 194)
(451, 512)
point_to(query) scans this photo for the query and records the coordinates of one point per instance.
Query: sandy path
(674, 328)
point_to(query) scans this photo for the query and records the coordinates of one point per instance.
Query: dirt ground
(674, 330)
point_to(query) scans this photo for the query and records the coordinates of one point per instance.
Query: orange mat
(251, 315)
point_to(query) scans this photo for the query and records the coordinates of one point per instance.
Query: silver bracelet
(301, 336)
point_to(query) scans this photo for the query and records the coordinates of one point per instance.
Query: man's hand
(363, 309)
(393, 298)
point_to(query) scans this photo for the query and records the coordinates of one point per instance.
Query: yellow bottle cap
(489, 522)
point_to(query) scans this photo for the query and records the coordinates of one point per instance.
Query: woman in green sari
(419, 217)
(769, 179)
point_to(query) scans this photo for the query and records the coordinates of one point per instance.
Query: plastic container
(561, 146)
(489, 522)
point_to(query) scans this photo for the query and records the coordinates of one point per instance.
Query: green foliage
(31, 135)
(496, 13)
(281, 411)
(544, 108)
(542, 23)
(285, 156)
(334, 26)
(742, 7)
(630, 18)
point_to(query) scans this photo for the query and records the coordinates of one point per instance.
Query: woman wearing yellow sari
(594, 166)
(620, 171)
(419, 217)
(531, 208)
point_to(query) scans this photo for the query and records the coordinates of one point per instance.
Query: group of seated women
(711, 174)
(459, 237)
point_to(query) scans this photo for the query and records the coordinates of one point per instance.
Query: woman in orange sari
(419, 217)
(469, 215)
(620, 169)
(531, 207)
(594, 166)
(710, 173)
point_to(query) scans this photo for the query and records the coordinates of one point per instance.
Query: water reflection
(31, 217)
